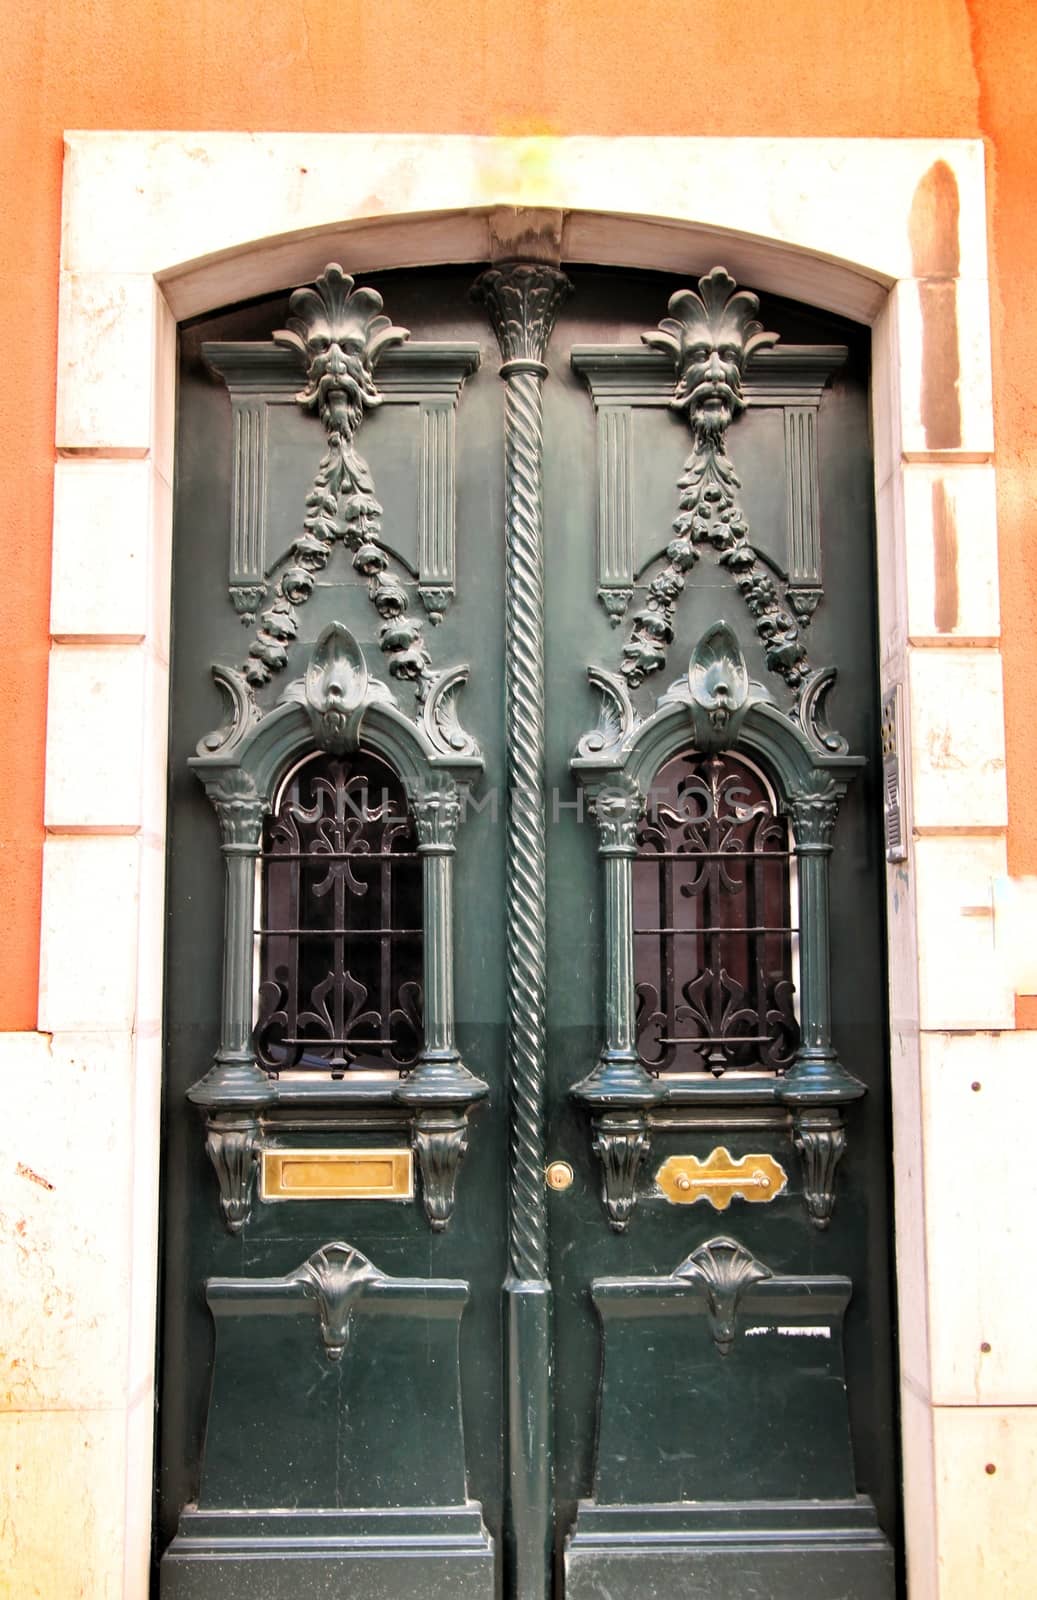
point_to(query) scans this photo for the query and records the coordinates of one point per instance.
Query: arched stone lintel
(478, 234)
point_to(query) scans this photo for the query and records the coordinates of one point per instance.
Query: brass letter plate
(756, 1178)
(337, 1175)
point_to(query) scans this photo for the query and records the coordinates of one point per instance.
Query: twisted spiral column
(526, 858)
(522, 300)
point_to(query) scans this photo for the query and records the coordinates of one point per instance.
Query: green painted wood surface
(605, 308)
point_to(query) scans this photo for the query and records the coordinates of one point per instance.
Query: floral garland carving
(711, 336)
(341, 333)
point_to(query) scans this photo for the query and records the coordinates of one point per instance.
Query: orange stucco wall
(837, 68)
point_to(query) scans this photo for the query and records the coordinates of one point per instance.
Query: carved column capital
(522, 299)
(813, 817)
(240, 810)
(618, 807)
(436, 807)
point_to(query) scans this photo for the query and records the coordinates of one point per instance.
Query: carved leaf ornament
(710, 336)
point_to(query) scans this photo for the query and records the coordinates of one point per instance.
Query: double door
(526, 1225)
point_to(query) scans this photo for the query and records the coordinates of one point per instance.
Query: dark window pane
(713, 943)
(340, 949)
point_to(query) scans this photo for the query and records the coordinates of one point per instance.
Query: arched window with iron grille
(340, 925)
(715, 945)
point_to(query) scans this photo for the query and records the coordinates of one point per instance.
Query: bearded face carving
(341, 333)
(711, 336)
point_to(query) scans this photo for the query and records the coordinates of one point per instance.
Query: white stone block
(956, 739)
(136, 1537)
(150, 944)
(143, 1221)
(103, 520)
(951, 548)
(62, 1505)
(909, 1196)
(980, 1102)
(961, 982)
(916, 1433)
(892, 580)
(1015, 931)
(65, 1153)
(88, 936)
(943, 336)
(95, 736)
(886, 410)
(163, 432)
(161, 569)
(106, 363)
(153, 202)
(154, 748)
(987, 1529)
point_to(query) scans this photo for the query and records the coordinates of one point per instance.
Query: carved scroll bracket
(621, 1142)
(820, 1138)
(232, 1145)
(440, 1144)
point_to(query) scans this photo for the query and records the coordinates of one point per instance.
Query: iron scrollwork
(340, 988)
(713, 871)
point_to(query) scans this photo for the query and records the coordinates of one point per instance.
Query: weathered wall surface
(957, 68)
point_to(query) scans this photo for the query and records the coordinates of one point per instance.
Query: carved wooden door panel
(526, 1223)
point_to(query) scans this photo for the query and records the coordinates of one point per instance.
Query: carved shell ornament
(725, 1269)
(710, 336)
(336, 688)
(335, 1277)
(340, 332)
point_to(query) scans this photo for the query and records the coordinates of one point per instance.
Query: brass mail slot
(756, 1178)
(337, 1175)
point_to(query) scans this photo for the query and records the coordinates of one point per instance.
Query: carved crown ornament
(338, 332)
(710, 336)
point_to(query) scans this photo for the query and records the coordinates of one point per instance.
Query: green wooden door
(526, 1163)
